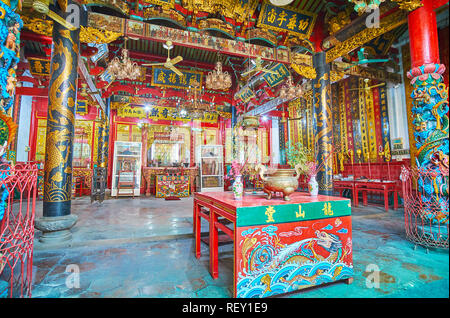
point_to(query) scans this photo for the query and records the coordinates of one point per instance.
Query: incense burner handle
(260, 169)
(298, 170)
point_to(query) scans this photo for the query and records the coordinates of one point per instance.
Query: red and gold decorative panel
(177, 186)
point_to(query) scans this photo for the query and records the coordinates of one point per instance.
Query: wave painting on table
(286, 257)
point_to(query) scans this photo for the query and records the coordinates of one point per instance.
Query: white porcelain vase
(238, 188)
(313, 186)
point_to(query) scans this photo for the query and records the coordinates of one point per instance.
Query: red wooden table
(279, 246)
(384, 187)
(341, 185)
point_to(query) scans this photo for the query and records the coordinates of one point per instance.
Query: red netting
(425, 194)
(18, 189)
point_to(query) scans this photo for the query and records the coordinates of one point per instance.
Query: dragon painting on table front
(282, 258)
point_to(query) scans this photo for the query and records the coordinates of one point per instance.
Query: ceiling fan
(42, 6)
(367, 87)
(258, 68)
(362, 60)
(281, 3)
(169, 63)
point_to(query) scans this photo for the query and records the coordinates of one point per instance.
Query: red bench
(378, 178)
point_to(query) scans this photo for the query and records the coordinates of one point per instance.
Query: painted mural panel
(281, 258)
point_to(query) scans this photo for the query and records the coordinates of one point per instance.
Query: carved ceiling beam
(409, 5)
(98, 36)
(346, 28)
(117, 5)
(339, 69)
(89, 79)
(37, 25)
(387, 24)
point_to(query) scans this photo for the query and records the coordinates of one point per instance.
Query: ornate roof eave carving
(228, 8)
(367, 34)
(168, 14)
(98, 36)
(261, 34)
(38, 25)
(116, 5)
(409, 5)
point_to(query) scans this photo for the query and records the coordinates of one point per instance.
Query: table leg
(356, 197)
(353, 195)
(386, 200)
(197, 229)
(395, 200)
(147, 190)
(364, 197)
(190, 186)
(213, 246)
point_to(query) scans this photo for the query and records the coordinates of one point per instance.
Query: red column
(33, 132)
(112, 139)
(192, 154)
(423, 35)
(430, 108)
(144, 145)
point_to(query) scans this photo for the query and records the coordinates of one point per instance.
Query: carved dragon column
(62, 95)
(430, 104)
(102, 152)
(323, 124)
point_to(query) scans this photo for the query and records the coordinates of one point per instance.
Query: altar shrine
(241, 109)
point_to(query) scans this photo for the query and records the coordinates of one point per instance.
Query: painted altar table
(171, 185)
(150, 175)
(279, 246)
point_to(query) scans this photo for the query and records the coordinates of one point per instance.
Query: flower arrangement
(312, 168)
(237, 169)
(298, 155)
(235, 173)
